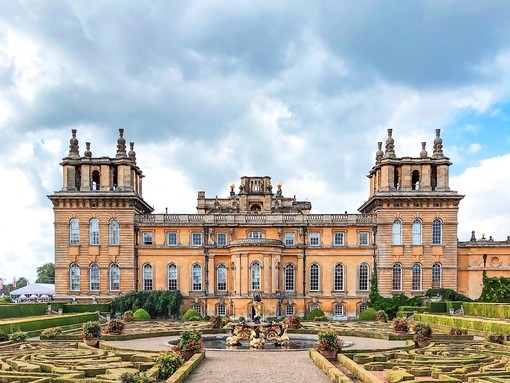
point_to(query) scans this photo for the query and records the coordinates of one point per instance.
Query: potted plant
(90, 333)
(292, 321)
(328, 344)
(128, 316)
(422, 334)
(115, 326)
(190, 343)
(400, 325)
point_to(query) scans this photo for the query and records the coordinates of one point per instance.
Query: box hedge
(436, 307)
(31, 324)
(86, 307)
(488, 310)
(477, 324)
(21, 310)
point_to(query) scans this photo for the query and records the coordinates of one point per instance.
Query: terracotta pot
(186, 355)
(91, 342)
(328, 354)
(423, 342)
(400, 332)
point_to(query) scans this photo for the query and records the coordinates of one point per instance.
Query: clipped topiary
(191, 315)
(141, 314)
(315, 313)
(368, 314)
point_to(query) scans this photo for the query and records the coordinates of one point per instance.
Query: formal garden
(439, 341)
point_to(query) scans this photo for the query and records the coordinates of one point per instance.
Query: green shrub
(51, 332)
(157, 303)
(90, 330)
(368, 314)
(191, 340)
(447, 295)
(436, 307)
(136, 377)
(86, 307)
(21, 310)
(191, 315)
(316, 312)
(9, 327)
(19, 336)
(115, 326)
(489, 310)
(141, 314)
(6, 299)
(167, 363)
(422, 331)
(128, 316)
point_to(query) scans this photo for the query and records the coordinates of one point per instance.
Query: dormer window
(255, 235)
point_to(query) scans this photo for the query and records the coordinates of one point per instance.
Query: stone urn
(423, 342)
(92, 342)
(328, 354)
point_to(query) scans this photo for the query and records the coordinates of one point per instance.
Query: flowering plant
(292, 321)
(90, 330)
(422, 331)
(115, 326)
(400, 324)
(328, 341)
(191, 340)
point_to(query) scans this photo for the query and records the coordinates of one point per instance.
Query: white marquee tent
(35, 289)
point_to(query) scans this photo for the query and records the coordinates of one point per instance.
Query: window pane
(338, 310)
(94, 231)
(114, 277)
(74, 232)
(147, 237)
(196, 277)
(397, 232)
(74, 277)
(314, 239)
(289, 310)
(171, 238)
(289, 278)
(436, 232)
(314, 277)
(339, 238)
(172, 277)
(147, 277)
(255, 276)
(339, 277)
(113, 232)
(222, 278)
(363, 239)
(221, 310)
(221, 239)
(397, 277)
(255, 234)
(94, 277)
(289, 239)
(416, 277)
(363, 277)
(196, 239)
(436, 276)
(416, 232)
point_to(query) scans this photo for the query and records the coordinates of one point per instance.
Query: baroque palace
(257, 242)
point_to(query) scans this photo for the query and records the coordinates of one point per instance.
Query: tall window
(196, 277)
(221, 239)
(147, 277)
(417, 226)
(172, 277)
(416, 277)
(255, 276)
(113, 232)
(397, 232)
(74, 277)
(94, 277)
(315, 239)
(363, 239)
(339, 238)
(196, 239)
(396, 280)
(363, 277)
(437, 276)
(94, 231)
(221, 278)
(339, 277)
(290, 239)
(114, 276)
(338, 310)
(74, 232)
(289, 278)
(314, 277)
(437, 229)
(171, 238)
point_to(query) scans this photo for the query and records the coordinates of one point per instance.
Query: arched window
(96, 180)
(114, 274)
(172, 277)
(437, 276)
(113, 232)
(221, 278)
(397, 232)
(396, 284)
(437, 232)
(415, 180)
(314, 277)
(289, 277)
(74, 231)
(339, 277)
(147, 277)
(94, 277)
(417, 226)
(196, 277)
(74, 277)
(416, 277)
(94, 231)
(255, 276)
(363, 272)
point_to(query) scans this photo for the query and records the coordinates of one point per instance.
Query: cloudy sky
(213, 90)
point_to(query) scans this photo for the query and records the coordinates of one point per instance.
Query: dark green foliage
(315, 313)
(496, 338)
(447, 295)
(368, 314)
(389, 305)
(488, 310)
(86, 307)
(19, 336)
(46, 273)
(191, 340)
(191, 315)
(436, 307)
(136, 377)
(495, 290)
(167, 363)
(19, 310)
(141, 314)
(422, 331)
(49, 321)
(156, 303)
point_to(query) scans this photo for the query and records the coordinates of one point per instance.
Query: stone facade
(258, 242)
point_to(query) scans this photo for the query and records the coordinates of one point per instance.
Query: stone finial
(423, 153)
(73, 145)
(121, 145)
(473, 236)
(390, 147)
(132, 153)
(87, 153)
(379, 154)
(232, 192)
(438, 145)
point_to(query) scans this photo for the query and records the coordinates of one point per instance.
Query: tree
(46, 273)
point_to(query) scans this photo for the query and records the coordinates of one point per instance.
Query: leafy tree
(46, 273)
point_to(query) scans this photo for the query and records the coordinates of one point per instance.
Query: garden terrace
(68, 362)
